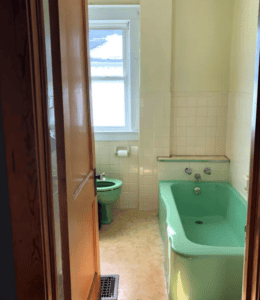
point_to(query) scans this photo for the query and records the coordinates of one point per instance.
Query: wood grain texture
(23, 85)
(18, 93)
(75, 153)
(82, 202)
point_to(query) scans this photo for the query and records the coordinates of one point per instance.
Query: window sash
(124, 26)
(127, 106)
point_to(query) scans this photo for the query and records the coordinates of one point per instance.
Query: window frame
(126, 78)
(119, 16)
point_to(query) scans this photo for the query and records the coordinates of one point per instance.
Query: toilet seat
(116, 184)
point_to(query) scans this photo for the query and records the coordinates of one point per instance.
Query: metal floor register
(109, 287)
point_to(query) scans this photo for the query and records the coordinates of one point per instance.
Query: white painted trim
(117, 136)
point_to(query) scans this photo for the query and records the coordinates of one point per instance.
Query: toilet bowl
(108, 192)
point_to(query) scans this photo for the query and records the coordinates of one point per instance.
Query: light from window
(108, 104)
(106, 52)
(107, 72)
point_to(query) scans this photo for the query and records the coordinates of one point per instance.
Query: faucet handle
(207, 171)
(101, 177)
(188, 171)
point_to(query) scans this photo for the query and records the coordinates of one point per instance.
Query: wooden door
(27, 144)
(75, 145)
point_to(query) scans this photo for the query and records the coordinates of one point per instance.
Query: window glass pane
(108, 103)
(106, 52)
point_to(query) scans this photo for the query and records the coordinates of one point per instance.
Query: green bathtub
(204, 238)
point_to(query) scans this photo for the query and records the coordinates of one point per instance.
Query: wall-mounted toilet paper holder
(122, 151)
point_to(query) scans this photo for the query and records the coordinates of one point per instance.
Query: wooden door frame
(39, 46)
(27, 150)
(60, 138)
(38, 61)
(251, 278)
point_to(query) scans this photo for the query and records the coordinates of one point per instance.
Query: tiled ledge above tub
(194, 158)
(173, 168)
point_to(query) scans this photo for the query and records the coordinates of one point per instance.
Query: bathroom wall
(175, 170)
(241, 82)
(201, 39)
(192, 88)
(155, 100)
(123, 168)
(198, 123)
(155, 83)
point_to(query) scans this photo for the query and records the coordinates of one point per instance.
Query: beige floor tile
(131, 247)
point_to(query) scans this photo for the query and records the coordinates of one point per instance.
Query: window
(114, 59)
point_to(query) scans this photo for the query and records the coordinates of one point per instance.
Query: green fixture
(108, 192)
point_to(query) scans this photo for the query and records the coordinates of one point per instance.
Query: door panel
(75, 137)
(81, 237)
(82, 202)
(74, 91)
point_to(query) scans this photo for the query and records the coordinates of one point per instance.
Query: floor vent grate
(109, 287)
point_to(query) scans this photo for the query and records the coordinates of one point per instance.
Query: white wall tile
(191, 131)
(173, 171)
(192, 112)
(201, 121)
(182, 102)
(221, 121)
(202, 111)
(104, 159)
(211, 131)
(133, 178)
(191, 121)
(200, 150)
(201, 141)
(149, 202)
(124, 169)
(190, 150)
(181, 141)
(182, 112)
(212, 111)
(182, 121)
(115, 168)
(202, 102)
(201, 131)
(206, 112)
(133, 169)
(115, 175)
(211, 121)
(191, 141)
(192, 102)
(212, 102)
(180, 150)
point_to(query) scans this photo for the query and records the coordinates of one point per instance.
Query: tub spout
(198, 177)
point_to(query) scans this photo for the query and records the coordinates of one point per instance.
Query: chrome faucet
(207, 171)
(188, 171)
(198, 177)
(101, 177)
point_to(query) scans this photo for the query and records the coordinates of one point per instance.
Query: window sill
(117, 136)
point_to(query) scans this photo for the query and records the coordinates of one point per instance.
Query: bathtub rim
(180, 244)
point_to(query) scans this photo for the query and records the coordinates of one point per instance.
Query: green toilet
(108, 192)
